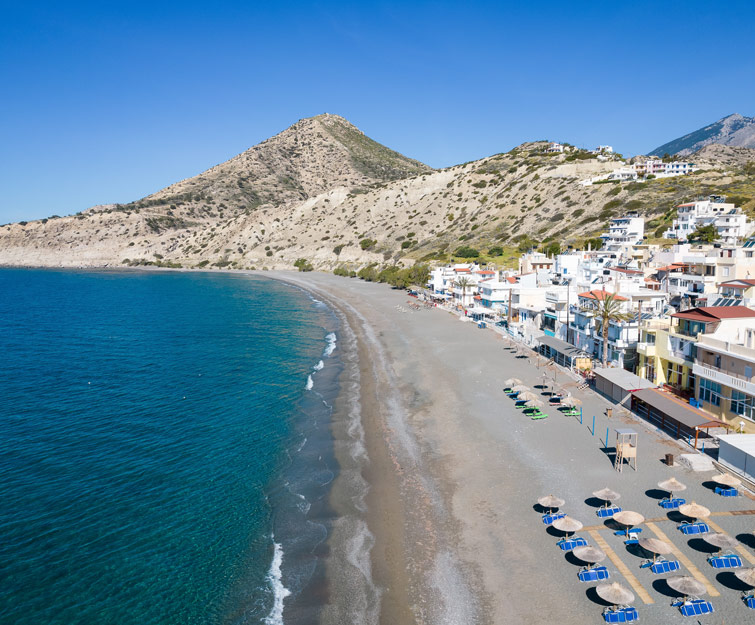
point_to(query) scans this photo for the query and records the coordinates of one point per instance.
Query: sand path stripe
(747, 555)
(684, 560)
(623, 568)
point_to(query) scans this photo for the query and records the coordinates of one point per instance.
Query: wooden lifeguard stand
(626, 448)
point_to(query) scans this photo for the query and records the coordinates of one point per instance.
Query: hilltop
(324, 191)
(733, 130)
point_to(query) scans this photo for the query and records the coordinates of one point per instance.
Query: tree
(607, 308)
(463, 283)
(467, 252)
(704, 234)
(552, 249)
(496, 250)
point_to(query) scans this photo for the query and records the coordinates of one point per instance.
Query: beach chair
(538, 415)
(507, 390)
(749, 599)
(567, 544)
(726, 492)
(659, 567)
(698, 527)
(549, 518)
(607, 511)
(634, 530)
(671, 504)
(725, 561)
(595, 574)
(694, 607)
(626, 614)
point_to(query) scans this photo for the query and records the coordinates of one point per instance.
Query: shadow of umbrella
(594, 502)
(698, 544)
(731, 581)
(746, 538)
(661, 587)
(656, 493)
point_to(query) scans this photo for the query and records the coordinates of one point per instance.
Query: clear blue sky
(108, 102)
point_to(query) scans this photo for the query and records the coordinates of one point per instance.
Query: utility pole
(568, 331)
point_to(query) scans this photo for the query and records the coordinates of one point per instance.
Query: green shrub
(496, 250)
(367, 244)
(467, 252)
(302, 264)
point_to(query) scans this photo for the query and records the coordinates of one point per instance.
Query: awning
(562, 347)
(678, 411)
(624, 379)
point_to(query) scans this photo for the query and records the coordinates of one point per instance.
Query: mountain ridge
(733, 130)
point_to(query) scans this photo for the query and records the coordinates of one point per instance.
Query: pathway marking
(684, 560)
(748, 556)
(664, 519)
(623, 568)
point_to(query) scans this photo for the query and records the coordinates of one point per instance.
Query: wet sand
(448, 533)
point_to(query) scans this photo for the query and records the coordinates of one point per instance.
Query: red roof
(673, 266)
(478, 297)
(687, 204)
(622, 270)
(738, 284)
(708, 314)
(485, 271)
(511, 279)
(601, 295)
(462, 269)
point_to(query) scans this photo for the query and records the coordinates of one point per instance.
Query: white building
(624, 231)
(555, 147)
(731, 224)
(604, 149)
(656, 167)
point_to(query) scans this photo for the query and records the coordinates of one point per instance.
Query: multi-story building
(731, 224)
(624, 232)
(656, 167)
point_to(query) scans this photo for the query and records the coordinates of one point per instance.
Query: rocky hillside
(732, 130)
(323, 191)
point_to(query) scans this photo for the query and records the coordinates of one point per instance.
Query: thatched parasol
(592, 555)
(567, 525)
(694, 510)
(727, 480)
(746, 575)
(606, 494)
(551, 502)
(520, 388)
(571, 401)
(628, 518)
(722, 541)
(686, 585)
(653, 545)
(534, 403)
(615, 594)
(527, 396)
(672, 485)
(512, 381)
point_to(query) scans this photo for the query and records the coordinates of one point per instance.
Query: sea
(166, 452)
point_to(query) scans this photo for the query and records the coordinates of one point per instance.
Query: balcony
(646, 349)
(725, 379)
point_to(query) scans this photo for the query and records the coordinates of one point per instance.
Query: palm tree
(463, 283)
(607, 308)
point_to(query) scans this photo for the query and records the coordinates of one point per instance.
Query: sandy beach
(453, 472)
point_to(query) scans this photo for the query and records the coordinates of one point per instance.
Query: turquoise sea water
(158, 440)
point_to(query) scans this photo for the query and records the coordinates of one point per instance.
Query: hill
(323, 191)
(732, 130)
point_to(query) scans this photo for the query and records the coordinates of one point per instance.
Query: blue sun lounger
(622, 615)
(694, 607)
(749, 600)
(607, 511)
(659, 567)
(671, 504)
(595, 574)
(694, 528)
(567, 544)
(726, 561)
(549, 518)
(726, 492)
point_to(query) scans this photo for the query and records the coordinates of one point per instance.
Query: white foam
(331, 339)
(310, 383)
(280, 592)
(319, 366)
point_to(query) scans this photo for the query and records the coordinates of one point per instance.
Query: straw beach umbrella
(686, 585)
(629, 519)
(567, 525)
(727, 479)
(722, 541)
(615, 594)
(655, 546)
(571, 401)
(591, 555)
(551, 502)
(520, 388)
(694, 510)
(527, 396)
(746, 575)
(512, 381)
(606, 494)
(671, 486)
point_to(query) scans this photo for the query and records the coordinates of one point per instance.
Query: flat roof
(676, 410)
(561, 346)
(624, 379)
(743, 442)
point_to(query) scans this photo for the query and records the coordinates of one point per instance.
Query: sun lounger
(607, 511)
(622, 615)
(671, 504)
(726, 492)
(634, 530)
(694, 528)
(507, 390)
(659, 567)
(726, 561)
(694, 607)
(595, 574)
(549, 518)
(567, 544)
(538, 415)
(749, 600)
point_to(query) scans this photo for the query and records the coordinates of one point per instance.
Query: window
(748, 371)
(674, 374)
(743, 404)
(710, 392)
(725, 272)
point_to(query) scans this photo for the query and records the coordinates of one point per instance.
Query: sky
(108, 102)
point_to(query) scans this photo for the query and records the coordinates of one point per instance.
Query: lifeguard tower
(626, 448)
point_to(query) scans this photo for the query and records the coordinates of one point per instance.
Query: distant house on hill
(555, 147)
